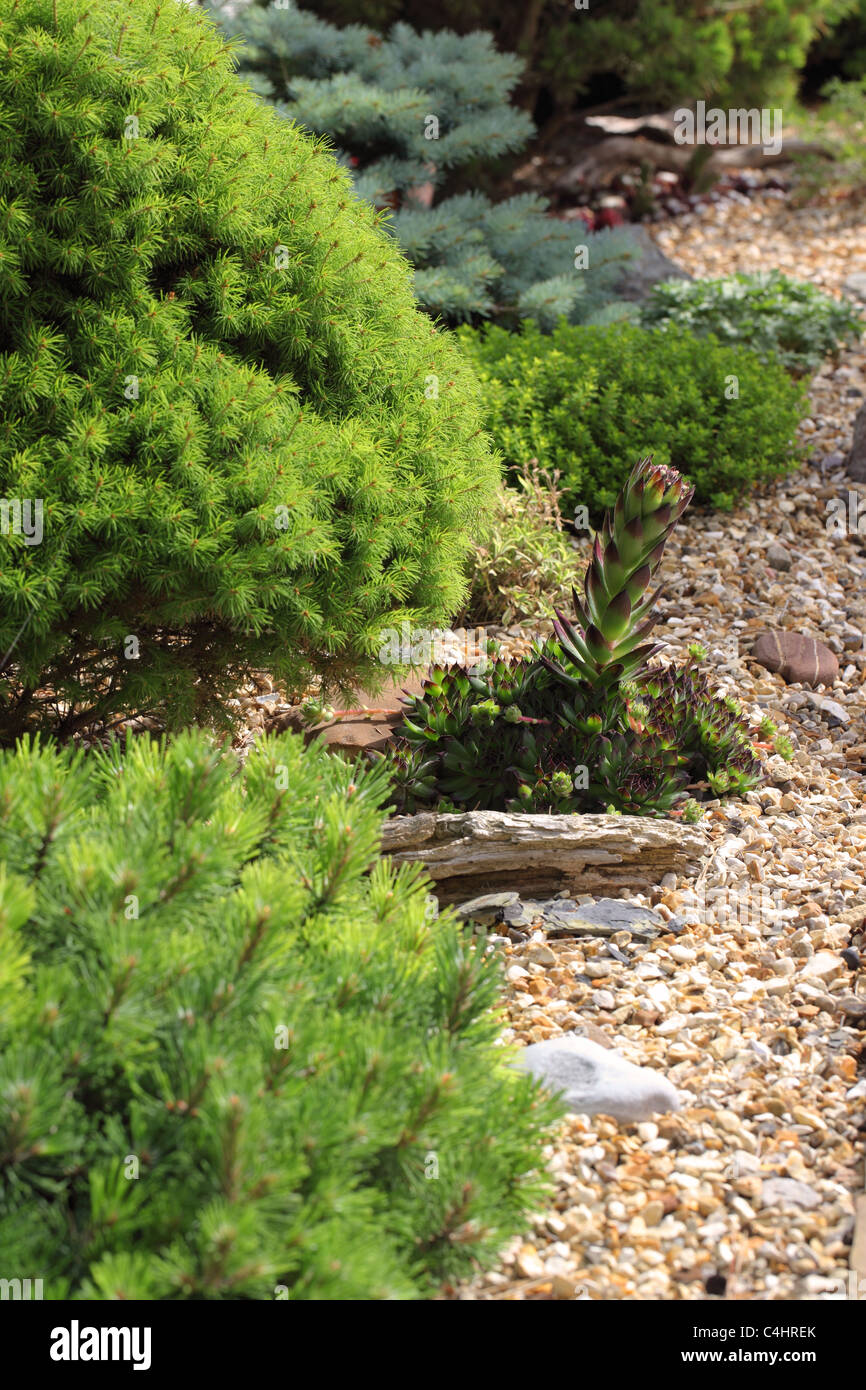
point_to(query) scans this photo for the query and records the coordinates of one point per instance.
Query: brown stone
(796, 658)
(357, 735)
(390, 697)
(645, 1017)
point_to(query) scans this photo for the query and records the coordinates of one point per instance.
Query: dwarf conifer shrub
(420, 118)
(228, 438)
(584, 398)
(232, 1064)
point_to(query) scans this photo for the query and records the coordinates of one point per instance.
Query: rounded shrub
(228, 438)
(233, 1064)
(590, 401)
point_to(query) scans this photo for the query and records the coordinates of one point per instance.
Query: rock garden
(432, 657)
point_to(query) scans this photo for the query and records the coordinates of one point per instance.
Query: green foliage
(838, 127)
(478, 260)
(251, 447)
(418, 117)
(584, 398)
(783, 320)
(841, 46)
(393, 106)
(229, 1056)
(584, 724)
(526, 562)
(662, 51)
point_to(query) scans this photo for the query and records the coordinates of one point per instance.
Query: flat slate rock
(614, 915)
(488, 909)
(472, 854)
(564, 916)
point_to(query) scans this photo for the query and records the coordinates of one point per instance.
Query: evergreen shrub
(232, 1064)
(584, 399)
(660, 51)
(421, 119)
(248, 446)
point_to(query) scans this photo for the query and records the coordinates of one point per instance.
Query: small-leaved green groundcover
(584, 399)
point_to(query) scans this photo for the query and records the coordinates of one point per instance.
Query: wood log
(486, 851)
(624, 151)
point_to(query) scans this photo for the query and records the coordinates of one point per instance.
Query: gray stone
(856, 285)
(597, 1080)
(516, 914)
(835, 714)
(649, 267)
(788, 1192)
(616, 915)
(778, 557)
(487, 909)
(850, 1005)
(604, 999)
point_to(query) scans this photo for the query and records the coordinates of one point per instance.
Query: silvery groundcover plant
(301, 349)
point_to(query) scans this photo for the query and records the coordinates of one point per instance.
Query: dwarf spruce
(247, 445)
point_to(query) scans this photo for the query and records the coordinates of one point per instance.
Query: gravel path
(752, 1012)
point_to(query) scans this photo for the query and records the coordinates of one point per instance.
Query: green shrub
(838, 130)
(661, 51)
(587, 400)
(429, 113)
(250, 446)
(526, 561)
(231, 1062)
(839, 47)
(782, 320)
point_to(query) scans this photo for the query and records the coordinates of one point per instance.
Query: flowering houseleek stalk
(616, 615)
